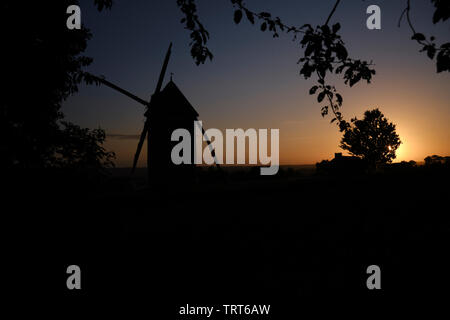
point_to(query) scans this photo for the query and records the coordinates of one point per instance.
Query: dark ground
(284, 241)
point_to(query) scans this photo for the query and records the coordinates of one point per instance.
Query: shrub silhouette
(436, 160)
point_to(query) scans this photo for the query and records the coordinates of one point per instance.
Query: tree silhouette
(373, 139)
(82, 148)
(42, 67)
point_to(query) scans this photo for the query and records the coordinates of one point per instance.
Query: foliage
(43, 66)
(82, 148)
(442, 52)
(373, 139)
(324, 50)
(199, 35)
(442, 10)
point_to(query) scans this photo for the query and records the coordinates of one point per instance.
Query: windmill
(156, 101)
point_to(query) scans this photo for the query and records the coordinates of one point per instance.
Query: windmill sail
(117, 88)
(147, 114)
(139, 147)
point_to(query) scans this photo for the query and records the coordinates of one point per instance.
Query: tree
(82, 148)
(373, 139)
(43, 65)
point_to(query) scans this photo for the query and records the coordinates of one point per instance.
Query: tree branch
(408, 18)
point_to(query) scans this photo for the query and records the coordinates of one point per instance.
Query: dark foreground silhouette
(282, 240)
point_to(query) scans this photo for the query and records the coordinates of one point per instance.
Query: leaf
(355, 80)
(250, 17)
(306, 70)
(321, 96)
(237, 16)
(336, 27)
(321, 71)
(339, 99)
(313, 90)
(340, 69)
(431, 51)
(341, 52)
(325, 29)
(418, 37)
(309, 50)
(263, 27)
(436, 16)
(442, 11)
(443, 61)
(271, 25)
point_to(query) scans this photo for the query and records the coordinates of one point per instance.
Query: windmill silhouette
(155, 107)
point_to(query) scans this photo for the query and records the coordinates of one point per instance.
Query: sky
(253, 80)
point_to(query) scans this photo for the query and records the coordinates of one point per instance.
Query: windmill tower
(170, 111)
(167, 110)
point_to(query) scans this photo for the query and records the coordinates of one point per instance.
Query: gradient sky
(253, 80)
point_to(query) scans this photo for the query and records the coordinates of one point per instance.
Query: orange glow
(418, 107)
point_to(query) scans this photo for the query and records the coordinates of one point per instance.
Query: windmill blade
(117, 88)
(139, 147)
(163, 70)
(129, 94)
(160, 79)
(213, 153)
(208, 142)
